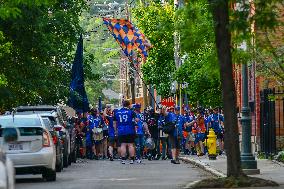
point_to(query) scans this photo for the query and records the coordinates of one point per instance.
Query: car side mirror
(10, 134)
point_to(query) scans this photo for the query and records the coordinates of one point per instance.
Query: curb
(203, 166)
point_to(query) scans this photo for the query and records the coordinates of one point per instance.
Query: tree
(220, 11)
(157, 23)
(41, 36)
(200, 69)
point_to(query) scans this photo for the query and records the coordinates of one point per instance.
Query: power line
(103, 15)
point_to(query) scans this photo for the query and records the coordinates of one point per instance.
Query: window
(20, 122)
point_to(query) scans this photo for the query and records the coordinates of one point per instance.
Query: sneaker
(122, 161)
(131, 161)
(110, 158)
(164, 158)
(138, 161)
(175, 161)
(157, 157)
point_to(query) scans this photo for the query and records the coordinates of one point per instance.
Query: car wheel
(75, 155)
(49, 175)
(59, 165)
(70, 159)
(58, 168)
(65, 160)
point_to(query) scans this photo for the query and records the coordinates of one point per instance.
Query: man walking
(175, 138)
(124, 124)
(140, 128)
(170, 119)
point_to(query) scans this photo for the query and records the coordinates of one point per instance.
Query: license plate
(15, 147)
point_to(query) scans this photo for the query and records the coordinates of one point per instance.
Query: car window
(18, 122)
(47, 123)
(30, 131)
(52, 120)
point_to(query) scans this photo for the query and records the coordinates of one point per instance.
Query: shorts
(126, 138)
(174, 142)
(97, 142)
(190, 137)
(199, 137)
(220, 135)
(111, 141)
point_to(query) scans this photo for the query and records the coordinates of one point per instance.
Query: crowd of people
(130, 134)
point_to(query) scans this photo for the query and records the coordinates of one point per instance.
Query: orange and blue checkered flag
(128, 37)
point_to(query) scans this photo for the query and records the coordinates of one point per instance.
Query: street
(89, 174)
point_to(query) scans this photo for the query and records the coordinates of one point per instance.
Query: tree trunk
(220, 10)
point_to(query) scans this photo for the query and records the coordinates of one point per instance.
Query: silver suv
(34, 151)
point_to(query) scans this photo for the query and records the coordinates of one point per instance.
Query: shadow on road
(29, 180)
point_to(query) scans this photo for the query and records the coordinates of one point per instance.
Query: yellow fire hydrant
(212, 144)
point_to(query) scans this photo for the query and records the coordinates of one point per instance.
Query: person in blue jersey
(217, 124)
(108, 115)
(176, 136)
(124, 124)
(96, 122)
(162, 137)
(189, 124)
(140, 128)
(171, 119)
(89, 141)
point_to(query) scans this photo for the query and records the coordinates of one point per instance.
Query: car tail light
(57, 128)
(45, 139)
(55, 139)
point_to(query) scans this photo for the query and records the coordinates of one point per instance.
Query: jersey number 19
(123, 118)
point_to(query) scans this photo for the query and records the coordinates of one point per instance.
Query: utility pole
(177, 4)
(131, 70)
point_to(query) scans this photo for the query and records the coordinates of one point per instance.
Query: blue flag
(78, 98)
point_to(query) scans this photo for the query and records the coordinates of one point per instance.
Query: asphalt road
(101, 174)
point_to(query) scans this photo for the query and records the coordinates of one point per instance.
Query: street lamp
(248, 162)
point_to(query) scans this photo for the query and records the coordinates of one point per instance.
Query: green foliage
(4, 46)
(103, 54)
(39, 38)
(267, 34)
(157, 23)
(200, 69)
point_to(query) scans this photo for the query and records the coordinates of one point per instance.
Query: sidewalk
(269, 170)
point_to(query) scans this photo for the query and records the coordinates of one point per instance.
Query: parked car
(59, 125)
(34, 151)
(70, 125)
(49, 121)
(7, 172)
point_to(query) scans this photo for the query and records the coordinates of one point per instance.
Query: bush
(280, 156)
